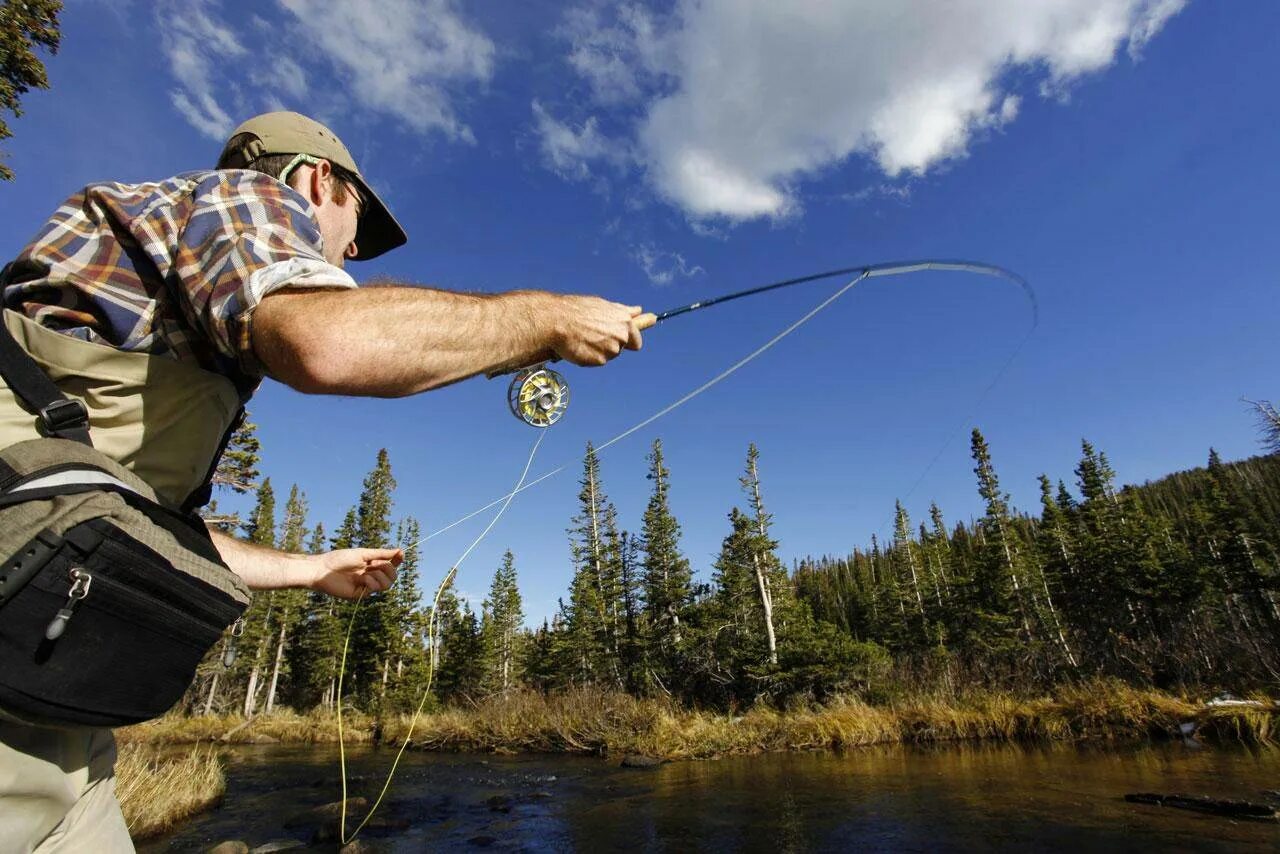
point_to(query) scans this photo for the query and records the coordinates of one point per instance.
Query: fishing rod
(539, 396)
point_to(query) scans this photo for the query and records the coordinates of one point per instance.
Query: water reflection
(953, 798)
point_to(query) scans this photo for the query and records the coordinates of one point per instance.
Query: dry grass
(316, 727)
(604, 722)
(158, 790)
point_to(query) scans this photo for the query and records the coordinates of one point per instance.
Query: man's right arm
(395, 341)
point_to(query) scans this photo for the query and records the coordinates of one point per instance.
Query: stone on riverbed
(635, 760)
(1230, 809)
(278, 845)
(315, 815)
(231, 846)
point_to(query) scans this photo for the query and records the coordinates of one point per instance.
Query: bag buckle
(63, 415)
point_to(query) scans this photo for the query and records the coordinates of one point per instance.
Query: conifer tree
(289, 603)
(258, 620)
(667, 576)
(315, 655)
(406, 623)
(998, 610)
(375, 633)
(503, 617)
(593, 619)
(764, 560)
(910, 571)
(237, 468)
(461, 656)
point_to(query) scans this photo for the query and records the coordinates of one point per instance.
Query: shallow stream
(952, 798)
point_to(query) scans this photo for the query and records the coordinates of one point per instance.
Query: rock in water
(231, 846)
(278, 845)
(635, 760)
(317, 815)
(1230, 809)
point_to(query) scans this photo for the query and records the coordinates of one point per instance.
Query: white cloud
(193, 43)
(744, 99)
(567, 151)
(399, 55)
(662, 267)
(400, 58)
(619, 58)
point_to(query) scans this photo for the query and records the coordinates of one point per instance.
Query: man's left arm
(343, 572)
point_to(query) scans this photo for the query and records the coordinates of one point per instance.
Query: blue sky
(1120, 154)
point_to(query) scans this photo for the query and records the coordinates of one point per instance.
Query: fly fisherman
(160, 307)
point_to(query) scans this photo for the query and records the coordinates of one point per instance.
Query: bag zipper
(161, 612)
(80, 581)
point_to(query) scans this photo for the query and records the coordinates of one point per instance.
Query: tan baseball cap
(285, 132)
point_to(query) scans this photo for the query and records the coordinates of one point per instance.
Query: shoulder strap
(59, 415)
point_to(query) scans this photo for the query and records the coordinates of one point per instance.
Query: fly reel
(538, 396)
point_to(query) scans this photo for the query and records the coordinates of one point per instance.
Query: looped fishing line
(893, 268)
(431, 644)
(862, 273)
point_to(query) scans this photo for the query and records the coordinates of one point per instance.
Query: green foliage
(237, 468)
(503, 615)
(24, 26)
(667, 581)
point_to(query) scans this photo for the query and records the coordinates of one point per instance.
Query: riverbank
(614, 724)
(158, 789)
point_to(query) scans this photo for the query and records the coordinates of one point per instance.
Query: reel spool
(538, 396)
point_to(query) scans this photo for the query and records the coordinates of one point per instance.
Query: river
(951, 798)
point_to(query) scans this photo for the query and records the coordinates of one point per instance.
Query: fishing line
(892, 268)
(431, 643)
(540, 397)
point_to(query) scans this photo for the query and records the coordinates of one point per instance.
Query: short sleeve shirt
(173, 268)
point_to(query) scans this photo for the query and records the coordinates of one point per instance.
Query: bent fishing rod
(539, 396)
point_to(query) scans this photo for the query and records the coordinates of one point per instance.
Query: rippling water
(953, 798)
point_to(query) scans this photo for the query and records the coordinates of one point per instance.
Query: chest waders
(111, 591)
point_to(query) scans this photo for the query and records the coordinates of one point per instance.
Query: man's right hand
(590, 331)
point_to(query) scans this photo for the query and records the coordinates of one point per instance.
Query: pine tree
(407, 623)
(259, 619)
(594, 618)
(667, 577)
(503, 617)
(764, 560)
(461, 672)
(237, 469)
(909, 570)
(998, 612)
(289, 603)
(315, 655)
(375, 633)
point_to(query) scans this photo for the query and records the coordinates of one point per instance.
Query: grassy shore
(159, 789)
(610, 723)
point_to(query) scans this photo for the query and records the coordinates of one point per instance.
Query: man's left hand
(345, 573)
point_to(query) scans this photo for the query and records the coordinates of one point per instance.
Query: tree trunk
(275, 668)
(213, 689)
(766, 603)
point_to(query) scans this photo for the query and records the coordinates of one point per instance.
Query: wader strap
(60, 415)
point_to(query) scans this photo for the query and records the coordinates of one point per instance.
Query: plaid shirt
(173, 268)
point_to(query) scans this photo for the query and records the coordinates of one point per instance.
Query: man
(161, 306)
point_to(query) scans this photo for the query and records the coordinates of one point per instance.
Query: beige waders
(163, 420)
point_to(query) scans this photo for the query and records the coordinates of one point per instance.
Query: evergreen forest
(1173, 584)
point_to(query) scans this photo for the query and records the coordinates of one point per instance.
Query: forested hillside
(1173, 584)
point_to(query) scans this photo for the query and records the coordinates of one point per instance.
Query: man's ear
(316, 182)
